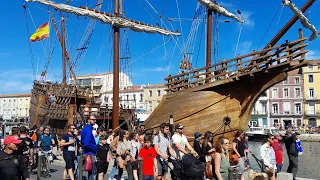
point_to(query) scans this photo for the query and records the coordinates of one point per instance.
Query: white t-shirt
(181, 140)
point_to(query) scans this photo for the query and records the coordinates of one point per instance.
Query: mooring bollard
(80, 167)
(39, 165)
(140, 161)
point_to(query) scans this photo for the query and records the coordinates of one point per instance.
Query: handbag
(88, 163)
(209, 173)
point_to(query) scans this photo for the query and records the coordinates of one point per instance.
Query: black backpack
(192, 166)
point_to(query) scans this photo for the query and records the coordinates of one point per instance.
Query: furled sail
(303, 19)
(107, 18)
(218, 8)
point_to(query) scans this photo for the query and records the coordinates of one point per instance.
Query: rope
(28, 35)
(200, 44)
(165, 51)
(148, 12)
(269, 26)
(235, 53)
(183, 43)
(279, 19)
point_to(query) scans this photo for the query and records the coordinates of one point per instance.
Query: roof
(129, 89)
(155, 86)
(100, 74)
(294, 72)
(14, 95)
(314, 62)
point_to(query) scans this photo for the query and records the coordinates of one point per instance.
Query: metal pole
(171, 124)
(140, 161)
(116, 34)
(80, 166)
(209, 43)
(39, 165)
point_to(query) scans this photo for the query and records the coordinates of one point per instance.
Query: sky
(152, 56)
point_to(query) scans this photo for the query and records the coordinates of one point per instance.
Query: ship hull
(204, 108)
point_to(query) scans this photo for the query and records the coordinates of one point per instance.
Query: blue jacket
(87, 140)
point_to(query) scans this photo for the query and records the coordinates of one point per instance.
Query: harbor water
(308, 161)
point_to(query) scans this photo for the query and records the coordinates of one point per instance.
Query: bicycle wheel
(44, 167)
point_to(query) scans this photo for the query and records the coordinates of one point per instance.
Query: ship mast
(209, 43)
(116, 35)
(63, 47)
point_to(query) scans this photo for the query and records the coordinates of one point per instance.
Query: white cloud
(313, 55)
(244, 47)
(247, 16)
(158, 69)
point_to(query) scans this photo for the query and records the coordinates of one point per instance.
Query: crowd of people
(151, 153)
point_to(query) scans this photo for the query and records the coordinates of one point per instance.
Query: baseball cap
(197, 134)
(11, 139)
(179, 126)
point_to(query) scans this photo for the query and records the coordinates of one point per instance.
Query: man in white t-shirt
(180, 142)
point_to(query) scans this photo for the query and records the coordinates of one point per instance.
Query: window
(159, 92)
(310, 68)
(285, 81)
(150, 106)
(264, 107)
(297, 80)
(141, 97)
(298, 108)
(297, 91)
(265, 121)
(150, 93)
(275, 121)
(286, 93)
(127, 97)
(275, 108)
(134, 97)
(286, 107)
(318, 66)
(264, 94)
(274, 93)
(310, 77)
(311, 108)
(311, 93)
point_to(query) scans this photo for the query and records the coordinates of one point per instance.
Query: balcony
(286, 114)
(314, 98)
(259, 113)
(312, 113)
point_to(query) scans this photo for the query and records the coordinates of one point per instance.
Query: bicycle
(46, 159)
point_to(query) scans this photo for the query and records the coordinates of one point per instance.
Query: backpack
(34, 136)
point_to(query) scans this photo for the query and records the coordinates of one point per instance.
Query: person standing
(278, 150)
(27, 146)
(238, 148)
(102, 157)
(124, 155)
(267, 155)
(180, 142)
(89, 146)
(12, 166)
(68, 142)
(221, 159)
(292, 151)
(197, 144)
(148, 155)
(46, 140)
(162, 146)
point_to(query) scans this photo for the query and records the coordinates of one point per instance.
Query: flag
(41, 33)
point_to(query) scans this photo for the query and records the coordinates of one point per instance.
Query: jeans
(78, 167)
(129, 170)
(293, 165)
(92, 174)
(114, 170)
(279, 167)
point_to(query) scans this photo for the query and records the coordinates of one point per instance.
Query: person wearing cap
(180, 142)
(89, 146)
(277, 147)
(197, 144)
(11, 165)
(292, 151)
(268, 157)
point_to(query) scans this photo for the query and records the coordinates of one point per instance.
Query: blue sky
(149, 64)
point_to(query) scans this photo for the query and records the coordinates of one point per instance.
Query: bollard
(140, 161)
(171, 128)
(39, 165)
(80, 167)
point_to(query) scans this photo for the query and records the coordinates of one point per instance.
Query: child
(148, 154)
(102, 157)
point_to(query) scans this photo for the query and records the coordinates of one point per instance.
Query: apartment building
(286, 100)
(102, 82)
(14, 106)
(153, 95)
(311, 76)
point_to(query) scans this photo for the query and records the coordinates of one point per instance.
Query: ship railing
(234, 68)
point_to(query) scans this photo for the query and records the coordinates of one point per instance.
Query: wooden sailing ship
(219, 97)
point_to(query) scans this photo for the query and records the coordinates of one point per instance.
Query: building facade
(259, 114)
(100, 83)
(14, 106)
(311, 76)
(153, 95)
(131, 97)
(286, 101)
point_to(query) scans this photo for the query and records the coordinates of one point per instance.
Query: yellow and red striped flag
(41, 33)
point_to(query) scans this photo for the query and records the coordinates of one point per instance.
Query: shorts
(69, 159)
(162, 167)
(102, 166)
(148, 177)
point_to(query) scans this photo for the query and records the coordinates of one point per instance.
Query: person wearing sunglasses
(68, 142)
(268, 155)
(221, 159)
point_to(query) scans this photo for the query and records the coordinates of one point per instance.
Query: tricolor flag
(41, 33)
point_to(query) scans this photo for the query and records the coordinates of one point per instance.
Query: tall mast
(288, 25)
(116, 34)
(63, 47)
(209, 42)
